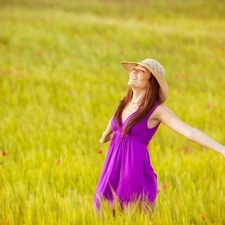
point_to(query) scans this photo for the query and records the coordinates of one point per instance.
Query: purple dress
(127, 171)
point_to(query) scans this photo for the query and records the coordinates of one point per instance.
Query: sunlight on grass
(60, 81)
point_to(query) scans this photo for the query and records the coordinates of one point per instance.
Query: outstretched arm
(107, 134)
(166, 116)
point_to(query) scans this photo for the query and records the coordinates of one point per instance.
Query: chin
(130, 83)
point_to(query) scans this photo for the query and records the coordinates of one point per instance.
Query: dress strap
(149, 115)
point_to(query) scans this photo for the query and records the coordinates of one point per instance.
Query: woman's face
(139, 77)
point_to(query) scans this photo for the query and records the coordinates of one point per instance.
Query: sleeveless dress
(127, 173)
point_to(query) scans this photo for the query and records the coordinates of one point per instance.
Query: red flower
(209, 105)
(57, 162)
(121, 52)
(187, 149)
(99, 151)
(3, 153)
(13, 90)
(164, 186)
(39, 54)
(10, 72)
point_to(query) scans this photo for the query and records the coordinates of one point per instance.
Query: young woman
(127, 175)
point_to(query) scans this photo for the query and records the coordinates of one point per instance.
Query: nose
(135, 70)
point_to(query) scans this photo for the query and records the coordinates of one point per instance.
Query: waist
(131, 137)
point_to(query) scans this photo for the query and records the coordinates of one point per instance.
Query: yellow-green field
(60, 82)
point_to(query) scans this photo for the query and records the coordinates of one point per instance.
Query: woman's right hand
(105, 138)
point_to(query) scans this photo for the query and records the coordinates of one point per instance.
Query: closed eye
(139, 69)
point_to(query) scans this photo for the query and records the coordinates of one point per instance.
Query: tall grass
(60, 81)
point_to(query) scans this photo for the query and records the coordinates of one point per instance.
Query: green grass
(60, 81)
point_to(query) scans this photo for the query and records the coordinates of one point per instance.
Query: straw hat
(157, 71)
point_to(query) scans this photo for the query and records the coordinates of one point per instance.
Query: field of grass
(60, 81)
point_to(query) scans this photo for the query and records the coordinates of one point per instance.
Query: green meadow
(60, 82)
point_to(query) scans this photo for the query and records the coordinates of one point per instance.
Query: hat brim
(129, 66)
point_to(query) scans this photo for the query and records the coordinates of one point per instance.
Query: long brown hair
(151, 98)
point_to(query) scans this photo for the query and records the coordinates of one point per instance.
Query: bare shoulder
(157, 115)
(161, 109)
(162, 112)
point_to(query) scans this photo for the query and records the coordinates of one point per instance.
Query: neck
(137, 97)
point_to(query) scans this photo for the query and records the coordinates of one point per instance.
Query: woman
(127, 174)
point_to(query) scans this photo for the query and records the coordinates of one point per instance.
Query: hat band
(149, 66)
